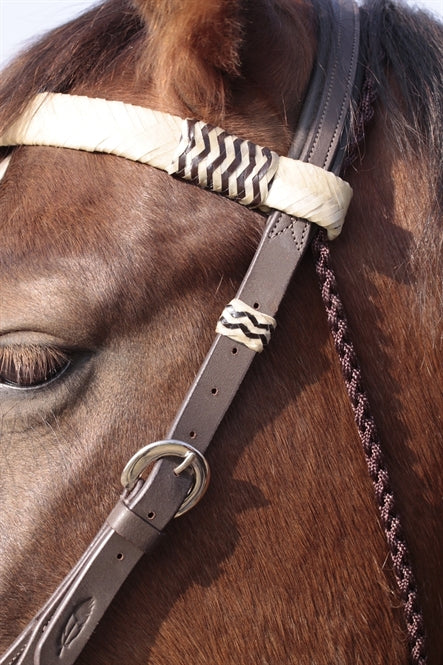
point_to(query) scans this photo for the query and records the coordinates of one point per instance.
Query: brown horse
(112, 276)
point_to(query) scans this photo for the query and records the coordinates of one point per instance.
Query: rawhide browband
(180, 477)
(189, 149)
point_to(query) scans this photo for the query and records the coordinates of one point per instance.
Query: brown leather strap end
(83, 604)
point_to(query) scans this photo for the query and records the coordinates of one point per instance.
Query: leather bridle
(145, 508)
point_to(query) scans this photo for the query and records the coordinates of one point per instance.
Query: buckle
(170, 448)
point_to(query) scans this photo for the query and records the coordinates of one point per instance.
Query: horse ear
(193, 48)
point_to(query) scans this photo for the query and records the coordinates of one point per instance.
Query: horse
(113, 275)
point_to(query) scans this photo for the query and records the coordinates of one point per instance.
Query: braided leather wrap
(210, 157)
(246, 325)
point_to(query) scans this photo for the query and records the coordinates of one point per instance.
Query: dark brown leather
(137, 521)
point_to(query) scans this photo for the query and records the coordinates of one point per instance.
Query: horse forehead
(74, 180)
(86, 235)
(73, 235)
(55, 200)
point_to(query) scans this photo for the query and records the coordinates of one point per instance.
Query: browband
(55, 635)
(190, 149)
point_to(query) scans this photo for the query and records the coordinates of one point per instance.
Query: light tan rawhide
(155, 138)
(4, 166)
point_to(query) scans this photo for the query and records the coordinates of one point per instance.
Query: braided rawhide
(207, 155)
(246, 325)
(212, 158)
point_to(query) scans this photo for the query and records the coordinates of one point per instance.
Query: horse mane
(406, 46)
(404, 49)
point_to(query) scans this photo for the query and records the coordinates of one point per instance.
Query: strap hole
(120, 556)
(214, 391)
(256, 305)
(150, 515)
(234, 350)
(192, 434)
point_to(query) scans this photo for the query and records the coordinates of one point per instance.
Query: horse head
(112, 277)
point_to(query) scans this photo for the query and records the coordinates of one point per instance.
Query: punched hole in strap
(246, 325)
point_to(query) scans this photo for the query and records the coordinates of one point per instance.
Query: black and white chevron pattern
(246, 325)
(212, 158)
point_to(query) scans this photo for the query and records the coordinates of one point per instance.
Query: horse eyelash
(31, 365)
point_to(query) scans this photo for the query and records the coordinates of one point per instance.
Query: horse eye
(31, 366)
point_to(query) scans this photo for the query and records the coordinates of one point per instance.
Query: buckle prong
(188, 461)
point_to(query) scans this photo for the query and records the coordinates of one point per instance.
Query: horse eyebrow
(50, 304)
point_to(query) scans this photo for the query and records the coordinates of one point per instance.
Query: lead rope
(378, 471)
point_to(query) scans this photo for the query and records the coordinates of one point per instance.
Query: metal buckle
(170, 448)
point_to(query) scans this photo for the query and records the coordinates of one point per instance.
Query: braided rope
(372, 447)
(362, 118)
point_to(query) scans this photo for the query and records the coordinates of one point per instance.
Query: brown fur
(196, 44)
(126, 270)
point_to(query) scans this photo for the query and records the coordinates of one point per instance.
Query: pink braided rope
(373, 451)
(375, 460)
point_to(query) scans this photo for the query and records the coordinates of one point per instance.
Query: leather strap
(61, 629)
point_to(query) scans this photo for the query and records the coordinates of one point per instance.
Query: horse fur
(196, 43)
(126, 270)
(201, 50)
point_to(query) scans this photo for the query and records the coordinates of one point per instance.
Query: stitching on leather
(289, 227)
(338, 123)
(16, 656)
(272, 233)
(283, 230)
(325, 107)
(328, 96)
(300, 242)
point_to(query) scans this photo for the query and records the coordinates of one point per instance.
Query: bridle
(181, 473)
